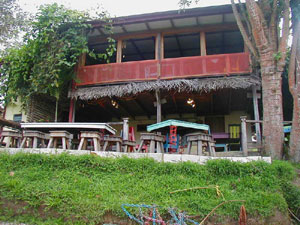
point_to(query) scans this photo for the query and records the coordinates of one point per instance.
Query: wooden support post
(158, 106)
(244, 135)
(119, 51)
(72, 110)
(158, 47)
(125, 129)
(256, 114)
(202, 43)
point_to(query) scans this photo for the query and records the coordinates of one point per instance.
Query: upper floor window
(224, 42)
(182, 45)
(136, 49)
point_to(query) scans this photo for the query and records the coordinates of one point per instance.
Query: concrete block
(173, 158)
(190, 158)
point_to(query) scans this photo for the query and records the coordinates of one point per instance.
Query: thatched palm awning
(180, 85)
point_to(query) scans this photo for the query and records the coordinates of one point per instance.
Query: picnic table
(65, 132)
(70, 127)
(175, 127)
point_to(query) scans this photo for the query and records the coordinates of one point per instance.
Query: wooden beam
(9, 123)
(158, 106)
(72, 110)
(119, 51)
(202, 43)
(192, 29)
(143, 108)
(256, 114)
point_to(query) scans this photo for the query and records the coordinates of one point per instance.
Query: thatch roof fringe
(180, 85)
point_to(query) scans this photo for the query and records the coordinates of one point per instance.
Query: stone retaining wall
(160, 157)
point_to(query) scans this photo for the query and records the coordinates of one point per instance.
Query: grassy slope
(83, 188)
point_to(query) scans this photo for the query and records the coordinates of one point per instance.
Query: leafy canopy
(46, 62)
(12, 20)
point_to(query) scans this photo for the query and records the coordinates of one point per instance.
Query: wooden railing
(172, 68)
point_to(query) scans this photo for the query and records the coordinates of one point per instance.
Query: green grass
(77, 189)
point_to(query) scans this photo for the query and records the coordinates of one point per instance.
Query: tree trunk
(294, 151)
(294, 85)
(56, 110)
(272, 111)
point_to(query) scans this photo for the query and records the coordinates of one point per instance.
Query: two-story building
(189, 65)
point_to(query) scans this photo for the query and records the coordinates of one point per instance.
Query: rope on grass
(219, 193)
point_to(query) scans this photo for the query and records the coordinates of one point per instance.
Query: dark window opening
(100, 48)
(224, 42)
(181, 45)
(17, 118)
(138, 49)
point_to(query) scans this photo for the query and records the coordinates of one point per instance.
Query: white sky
(119, 7)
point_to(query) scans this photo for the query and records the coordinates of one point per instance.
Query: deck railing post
(244, 135)
(125, 129)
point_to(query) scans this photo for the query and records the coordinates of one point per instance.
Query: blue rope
(138, 206)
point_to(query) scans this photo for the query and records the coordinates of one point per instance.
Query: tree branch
(243, 31)
(273, 26)
(292, 64)
(257, 20)
(285, 35)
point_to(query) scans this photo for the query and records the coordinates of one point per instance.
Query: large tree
(294, 82)
(260, 22)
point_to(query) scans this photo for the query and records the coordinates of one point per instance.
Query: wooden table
(72, 128)
(154, 139)
(200, 138)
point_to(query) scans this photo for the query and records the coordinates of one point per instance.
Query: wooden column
(72, 110)
(256, 114)
(202, 43)
(159, 51)
(158, 56)
(125, 129)
(244, 135)
(119, 51)
(158, 106)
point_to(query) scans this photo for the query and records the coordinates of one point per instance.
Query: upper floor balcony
(170, 68)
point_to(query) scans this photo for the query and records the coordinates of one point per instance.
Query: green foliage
(12, 20)
(83, 188)
(46, 62)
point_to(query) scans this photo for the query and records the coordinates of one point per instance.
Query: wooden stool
(64, 136)
(201, 138)
(33, 136)
(112, 140)
(154, 139)
(13, 138)
(126, 144)
(94, 136)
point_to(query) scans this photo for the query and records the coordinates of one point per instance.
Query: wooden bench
(13, 138)
(60, 135)
(112, 140)
(153, 139)
(201, 139)
(127, 144)
(89, 135)
(32, 138)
